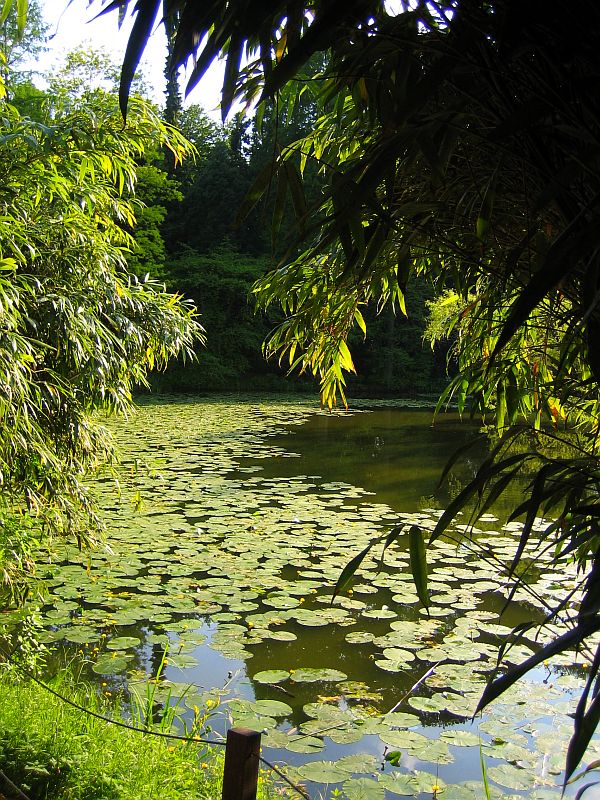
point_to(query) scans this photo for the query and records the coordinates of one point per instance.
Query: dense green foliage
(460, 141)
(79, 330)
(53, 750)
(190, 233)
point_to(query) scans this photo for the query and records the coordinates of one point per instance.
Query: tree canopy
(79, 330)
(458, 140)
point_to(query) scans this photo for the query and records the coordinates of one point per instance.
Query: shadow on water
(398, 454)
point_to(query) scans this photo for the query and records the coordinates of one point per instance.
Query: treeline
(190, 235)
(210, 254)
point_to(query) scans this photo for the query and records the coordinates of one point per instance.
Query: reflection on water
(398, 454)
(237, 541)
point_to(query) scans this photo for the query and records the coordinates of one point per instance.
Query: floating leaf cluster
(206, 553)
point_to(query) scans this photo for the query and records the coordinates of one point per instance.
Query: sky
(72, 24)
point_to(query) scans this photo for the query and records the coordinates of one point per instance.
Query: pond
(231, 523)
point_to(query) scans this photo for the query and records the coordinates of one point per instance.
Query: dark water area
(398, 454)
(234, 523)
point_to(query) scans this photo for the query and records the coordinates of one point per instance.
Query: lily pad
(323, 772)
(270, 708)
(359, 637)
(311, 675)
(379, 613)
(271, 676)
(305, 744)
(512, 777)
(123, 642)
(459, 738)
(399, 783)
(110, 666)
(363, 789)
(359, 762)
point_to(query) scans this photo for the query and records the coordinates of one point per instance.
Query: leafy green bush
(52, 750)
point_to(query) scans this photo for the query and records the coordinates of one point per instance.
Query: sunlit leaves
(79, 331)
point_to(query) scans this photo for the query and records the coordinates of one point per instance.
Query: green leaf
(146, 14)
(6, 7)
(418, 563)
(348, 572)
(232, 69)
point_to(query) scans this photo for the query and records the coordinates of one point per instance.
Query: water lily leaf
(281, 601)
(49, 636)
(359, 762)
(311, 675)
(364, 588)
(345, 735)
(363, 789)
(392, 666)
(254, 721)
(403, 740)
(270, 708)
(276, 739)
(400, 719)
(325, 711)
(429, 704)
(110, 666)
(323, 772)
(271, 676)
(435, 751)
(512, 777)
(399, 783)
(282, 636)
(123, 642)
(398, 654)
(82, 635)
(459, 738)
(304, 744)
(359, 637)
(426, 782)
(379, 613)
(182, 661)
(458, 792)
(311, 619)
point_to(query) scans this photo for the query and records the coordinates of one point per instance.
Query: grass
(51, 750)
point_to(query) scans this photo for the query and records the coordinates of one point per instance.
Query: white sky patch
(72, 25)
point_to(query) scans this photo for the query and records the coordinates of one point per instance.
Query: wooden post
(240, 776)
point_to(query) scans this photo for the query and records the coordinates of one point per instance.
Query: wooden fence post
(240, 776)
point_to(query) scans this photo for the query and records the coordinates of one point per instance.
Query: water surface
(233, 521)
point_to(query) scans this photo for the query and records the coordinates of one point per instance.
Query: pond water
(232, 521)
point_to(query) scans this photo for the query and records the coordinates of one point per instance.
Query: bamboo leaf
(418, 563)
(232, 70)
(348, 572)
(261, 184)
(6, 7)
(458, 453)
(584, 789)
(559, 260)
(142, 27)
(297, 193)
(279, 208)
(585, 727)
(534, 504)
(564, 642)
(21, 15)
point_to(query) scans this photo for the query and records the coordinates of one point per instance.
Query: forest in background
(189, 235)
(496, 203)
